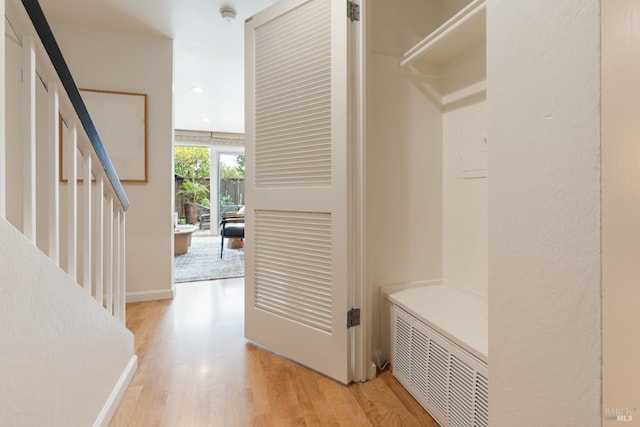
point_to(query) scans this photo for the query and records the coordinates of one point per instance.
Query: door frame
(217, 154)
(363, 368)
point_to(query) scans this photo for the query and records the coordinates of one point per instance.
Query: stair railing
(91, 246)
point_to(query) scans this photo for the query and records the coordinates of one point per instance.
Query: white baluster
(109, 254)
(116, 264)
(123, 269)
(86, 270)
(29, 135)
(3, 102)
(71, 162)
(99, 246)
(54, 172)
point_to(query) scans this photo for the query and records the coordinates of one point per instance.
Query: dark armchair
(231, 226)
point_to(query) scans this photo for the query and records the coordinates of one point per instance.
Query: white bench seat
(462, 317)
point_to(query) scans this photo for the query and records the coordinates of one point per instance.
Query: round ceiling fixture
(228, 13)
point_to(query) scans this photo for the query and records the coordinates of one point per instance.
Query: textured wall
(543, 67)
(61, 353)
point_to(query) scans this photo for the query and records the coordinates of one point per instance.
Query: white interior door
(298, 280)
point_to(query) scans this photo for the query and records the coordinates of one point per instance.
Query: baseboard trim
(150, 295)
(117, 394)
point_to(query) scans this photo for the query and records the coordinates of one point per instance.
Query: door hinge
(353, 317)
(353, 11)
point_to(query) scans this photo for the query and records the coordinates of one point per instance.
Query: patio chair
(231, 226)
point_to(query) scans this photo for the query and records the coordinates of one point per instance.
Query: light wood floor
(196, 369)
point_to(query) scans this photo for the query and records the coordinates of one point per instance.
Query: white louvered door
(297, 279)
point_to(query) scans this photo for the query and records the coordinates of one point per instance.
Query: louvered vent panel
(293, 99)
(481, 407)
(448, 381)
(293, 266)
(419, 364)
(438, 374)
(461, 382)
(403, 350)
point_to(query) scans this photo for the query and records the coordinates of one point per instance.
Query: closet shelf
(464, 30)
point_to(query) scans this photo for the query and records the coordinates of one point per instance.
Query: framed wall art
(121, 121)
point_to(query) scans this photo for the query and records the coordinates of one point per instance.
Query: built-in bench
(460, 316)
(439, 351)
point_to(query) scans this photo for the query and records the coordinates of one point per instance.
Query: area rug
(202, 261)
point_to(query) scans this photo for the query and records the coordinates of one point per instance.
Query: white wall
(398, 25)
(62, 354)
(544, 212)
(620, 208)
(395, 26)
(404, 200)
(111, 60)
(464, 208)
(404, 162)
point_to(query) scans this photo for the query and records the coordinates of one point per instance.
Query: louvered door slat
(293, 67)
(279, 286)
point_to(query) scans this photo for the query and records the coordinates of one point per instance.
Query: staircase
(66, 357)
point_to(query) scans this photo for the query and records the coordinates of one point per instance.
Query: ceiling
(208, 51)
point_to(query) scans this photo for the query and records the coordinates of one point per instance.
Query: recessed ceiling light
(206, 120)
(228, 13)
(196, 89)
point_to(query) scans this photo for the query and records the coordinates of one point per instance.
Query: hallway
(196, 369)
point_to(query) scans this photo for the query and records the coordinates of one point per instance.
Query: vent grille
(438, 373)
(481, 404)
(460, 393)
(293, 99)
(403, 339)
(293, 266)
(420, 359)
(450, 383)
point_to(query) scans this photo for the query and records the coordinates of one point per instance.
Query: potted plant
(192, 193)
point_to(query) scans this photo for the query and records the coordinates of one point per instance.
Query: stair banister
(97, 262)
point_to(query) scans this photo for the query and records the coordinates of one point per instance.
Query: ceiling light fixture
(228, 13)
(196, 89)
(206, 120)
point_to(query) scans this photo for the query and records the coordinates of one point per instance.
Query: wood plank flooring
(196, 369)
